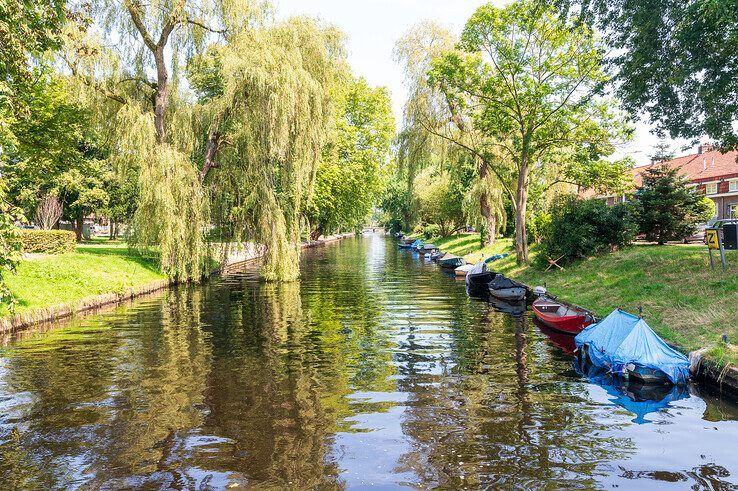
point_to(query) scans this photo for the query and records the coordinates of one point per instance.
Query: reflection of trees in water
(497, 420)
(114, 402)
(266, 395)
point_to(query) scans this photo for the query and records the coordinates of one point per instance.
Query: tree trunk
(316, 233)
(78, 224)
(489, 218)
(160, 97)
(521, 205)
(113, 230)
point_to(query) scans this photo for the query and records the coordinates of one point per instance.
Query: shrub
(580, 228)
(430, 231)
(48, 241)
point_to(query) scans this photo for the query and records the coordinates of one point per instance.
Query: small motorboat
(428, 248)
(562, 317)
(418, 245)
(436, 255)
(449, 261)
(462, 271)
(624, 344)
(479, 277)
(406, 243)
(503, 288)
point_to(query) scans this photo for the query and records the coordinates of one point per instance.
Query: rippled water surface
(374, 369)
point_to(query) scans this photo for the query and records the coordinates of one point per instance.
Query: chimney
(704, 148)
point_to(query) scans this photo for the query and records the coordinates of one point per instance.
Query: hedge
(48, 241)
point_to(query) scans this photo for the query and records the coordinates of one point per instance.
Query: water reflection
(374, 369)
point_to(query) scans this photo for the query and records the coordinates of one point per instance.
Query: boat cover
(502, 282)
(622, 338)
(479, 268)
(416, 243)
(449, 257)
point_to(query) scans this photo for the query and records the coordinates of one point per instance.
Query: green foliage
(430, 231)
(667, 208)
(48, 241)
(676, 60)
(27, 30)
(275, 112)
(579, 228)
(10, 245)
(396, 205)
(349, 177)
(439, 201)
(531, 84)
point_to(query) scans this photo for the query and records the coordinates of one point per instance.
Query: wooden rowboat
(560, 316)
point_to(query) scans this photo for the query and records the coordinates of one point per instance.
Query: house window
(711, 188)
(734, 185)
(733, 210)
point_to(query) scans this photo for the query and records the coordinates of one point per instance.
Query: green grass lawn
(99, 266)
(682, 298)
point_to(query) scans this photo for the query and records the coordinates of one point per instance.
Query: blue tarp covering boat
(623, 341)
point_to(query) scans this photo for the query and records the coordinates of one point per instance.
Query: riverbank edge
(26, 320)
(719, 376)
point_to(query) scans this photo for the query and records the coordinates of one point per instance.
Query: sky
(373, 27)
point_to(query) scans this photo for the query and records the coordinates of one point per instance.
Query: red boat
(561, 317)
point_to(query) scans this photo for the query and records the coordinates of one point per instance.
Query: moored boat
(479, 276)
(449, 261)
(418, 245)
(436, 255)
(623, 343)
(560, 316)
(463, 270)
(506, 289)
(406, 243)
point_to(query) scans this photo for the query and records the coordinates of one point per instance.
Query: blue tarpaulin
(622, 338)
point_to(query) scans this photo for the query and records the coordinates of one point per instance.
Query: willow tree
(434, 125)
(530, 83)
(268, 106)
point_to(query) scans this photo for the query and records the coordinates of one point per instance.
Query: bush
(580, 228)
(430, 231)
(48, 241)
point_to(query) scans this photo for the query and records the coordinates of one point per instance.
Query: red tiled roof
(711, 165)
(697, 168)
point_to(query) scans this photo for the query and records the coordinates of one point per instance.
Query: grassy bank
(683, 299)
(94, 268)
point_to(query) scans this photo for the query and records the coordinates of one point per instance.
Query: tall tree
(675, 61)
(27, 31)
(529, 82)
(433, 123)
(667, 208)
(349, 177)
(267, 129)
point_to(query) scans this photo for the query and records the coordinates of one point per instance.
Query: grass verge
(93, 269)
(683, 300)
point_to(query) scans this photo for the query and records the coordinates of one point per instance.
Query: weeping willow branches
(271, 122)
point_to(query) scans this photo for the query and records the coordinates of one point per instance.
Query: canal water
(375, 369)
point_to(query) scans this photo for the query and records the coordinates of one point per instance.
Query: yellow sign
(713, 241)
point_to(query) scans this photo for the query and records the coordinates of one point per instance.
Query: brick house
(711, 172)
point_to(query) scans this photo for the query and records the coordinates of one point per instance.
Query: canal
(374, 369)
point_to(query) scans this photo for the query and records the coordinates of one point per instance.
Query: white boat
(462, 271)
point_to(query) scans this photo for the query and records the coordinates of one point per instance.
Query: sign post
(715, 242)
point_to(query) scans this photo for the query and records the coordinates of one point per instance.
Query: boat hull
(547, 312)
(515, 294)
(451, 263)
